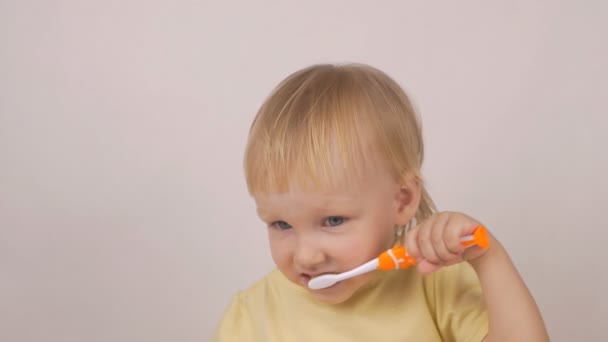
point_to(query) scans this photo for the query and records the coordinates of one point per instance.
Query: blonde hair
(353, 112)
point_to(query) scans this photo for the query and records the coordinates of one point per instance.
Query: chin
(338, 293)
(332, 299)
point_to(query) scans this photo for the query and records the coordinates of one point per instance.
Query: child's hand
(435, 242)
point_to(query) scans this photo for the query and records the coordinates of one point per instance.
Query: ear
(407, 199)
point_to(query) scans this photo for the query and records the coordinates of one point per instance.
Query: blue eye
(282, 225)
(333, 221)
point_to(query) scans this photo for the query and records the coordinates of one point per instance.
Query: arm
(512, 312)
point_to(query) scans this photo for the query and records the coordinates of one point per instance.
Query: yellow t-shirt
(398, 305)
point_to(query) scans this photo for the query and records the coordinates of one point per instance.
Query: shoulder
(454, 295)
(244, 309)
(452, 284)
(461, 274)
(263, 292)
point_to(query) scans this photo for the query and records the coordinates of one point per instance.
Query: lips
(316, 274)
(306, 277)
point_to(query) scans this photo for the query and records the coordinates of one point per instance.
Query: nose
(308, 255)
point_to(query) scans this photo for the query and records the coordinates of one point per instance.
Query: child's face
(312, 233)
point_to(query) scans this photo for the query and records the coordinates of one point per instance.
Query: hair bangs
(313, 137)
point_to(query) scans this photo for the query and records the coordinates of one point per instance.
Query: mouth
(306, 277)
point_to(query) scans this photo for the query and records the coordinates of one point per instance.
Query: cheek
(356, 250)
(279, 249)
(366, 243)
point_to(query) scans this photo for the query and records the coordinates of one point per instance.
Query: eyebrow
(335, 201)
(326, 205)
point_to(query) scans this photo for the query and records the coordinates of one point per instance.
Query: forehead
(303, 203)
(344, 195)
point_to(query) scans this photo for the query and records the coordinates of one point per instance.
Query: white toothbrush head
(327, 280)
(323, 281)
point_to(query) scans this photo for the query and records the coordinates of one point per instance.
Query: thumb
(426, 267)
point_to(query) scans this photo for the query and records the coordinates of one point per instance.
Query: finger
(452, 237)
(411, 238)
(443, 228)
(426, 243)
(466, 226)
(411, 242)
(426, 267)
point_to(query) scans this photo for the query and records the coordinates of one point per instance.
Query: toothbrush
(393, 259)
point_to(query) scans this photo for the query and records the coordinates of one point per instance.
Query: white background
(123, 211)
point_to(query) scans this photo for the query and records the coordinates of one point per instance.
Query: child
(333, 164)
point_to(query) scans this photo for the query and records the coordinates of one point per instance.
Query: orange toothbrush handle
(480, 238)
(394, 259)
(397, 257)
